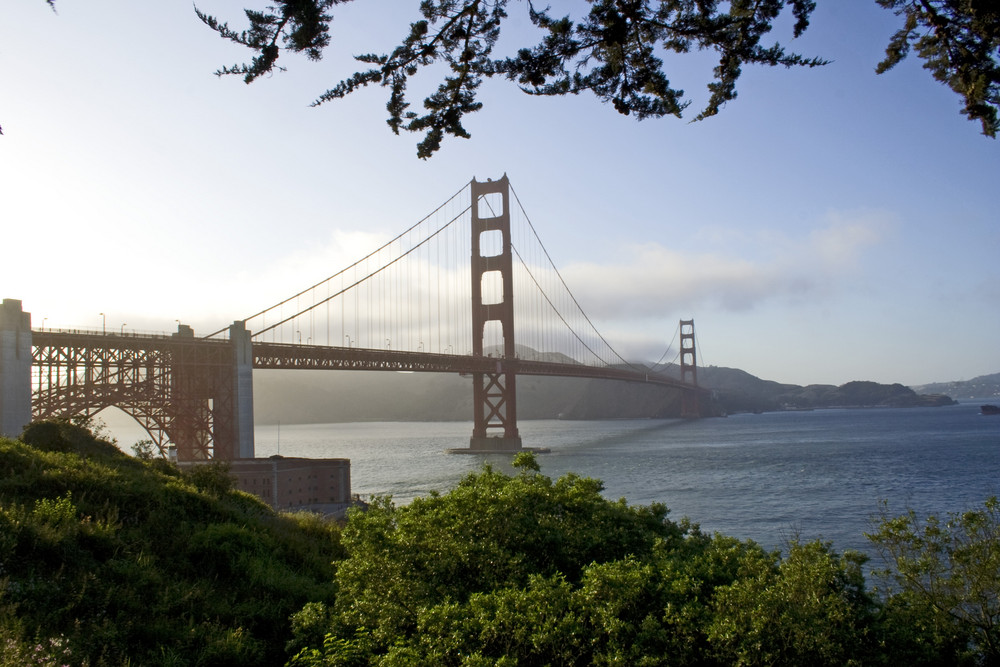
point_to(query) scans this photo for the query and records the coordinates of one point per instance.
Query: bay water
(766, 477)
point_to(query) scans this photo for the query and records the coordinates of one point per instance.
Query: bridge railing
(128, 333)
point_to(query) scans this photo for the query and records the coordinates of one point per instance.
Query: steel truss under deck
(179, 388)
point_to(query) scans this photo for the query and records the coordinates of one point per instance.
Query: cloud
(841, 243)
(150, 292)
(650, 279)
(642, 281)
(253, 291)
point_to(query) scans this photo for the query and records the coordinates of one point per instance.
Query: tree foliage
(810, 608)
(959, 42)
(945, 574)
(615, 51)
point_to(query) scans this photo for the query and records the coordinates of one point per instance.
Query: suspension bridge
(441, 297)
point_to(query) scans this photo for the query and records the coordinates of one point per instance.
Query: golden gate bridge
(443, 296)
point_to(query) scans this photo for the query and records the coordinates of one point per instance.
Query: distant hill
(738, 391)
(982, 387)
(342, 396)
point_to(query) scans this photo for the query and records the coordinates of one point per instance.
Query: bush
(211, 477)
(81, 436)
(810, 608)
(944, 575)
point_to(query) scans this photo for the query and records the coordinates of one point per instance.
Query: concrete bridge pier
(211, 398)
(15, 368)
(241, 437)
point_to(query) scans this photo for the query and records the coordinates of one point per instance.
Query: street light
(43, 323)
(121, 332)
(388, 343)
(104, 324)
(300, 336)
(348, 337)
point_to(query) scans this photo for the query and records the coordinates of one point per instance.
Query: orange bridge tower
(494, 393)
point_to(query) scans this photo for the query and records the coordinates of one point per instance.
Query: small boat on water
(989, 409)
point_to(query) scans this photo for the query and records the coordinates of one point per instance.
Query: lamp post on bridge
(121, 332)
(348, 337)
(104, 324)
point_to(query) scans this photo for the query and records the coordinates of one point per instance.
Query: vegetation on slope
(108, 560)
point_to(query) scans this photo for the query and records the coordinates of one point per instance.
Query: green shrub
(45, 435)
(943, 575)
(810, 608)
(145, 450)
(55, 512)
(211, 477)
(61, 435)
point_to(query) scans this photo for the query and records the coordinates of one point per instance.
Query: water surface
(818, 474)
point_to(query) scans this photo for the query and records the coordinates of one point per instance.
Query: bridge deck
(290, 355)
(284, 355)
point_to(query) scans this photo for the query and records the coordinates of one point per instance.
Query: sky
(828, 225)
